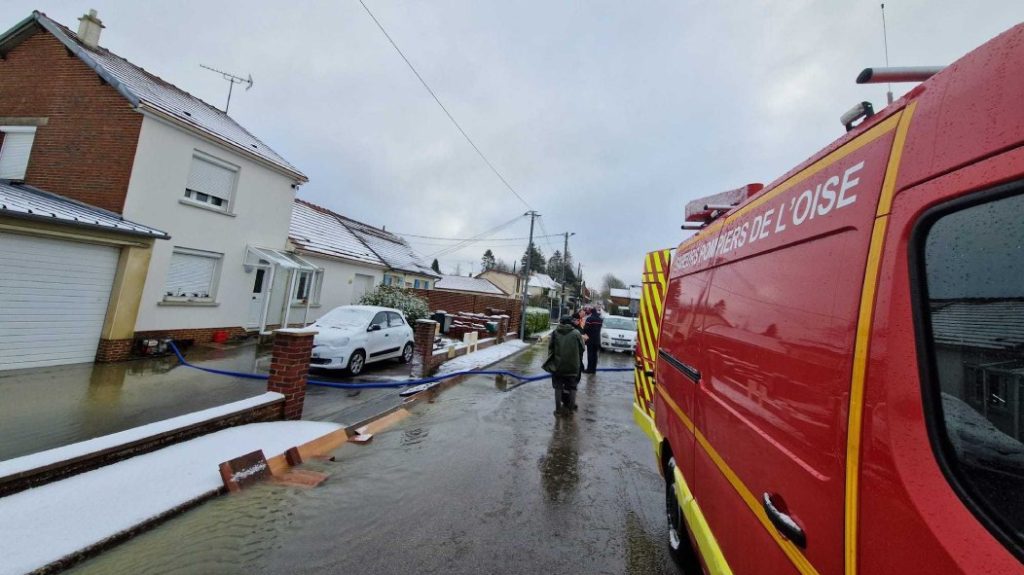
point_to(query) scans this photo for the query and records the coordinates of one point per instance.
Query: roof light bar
(896, 75)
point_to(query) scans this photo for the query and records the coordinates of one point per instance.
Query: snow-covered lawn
(58, 454)
(44, 524)
(482, 358)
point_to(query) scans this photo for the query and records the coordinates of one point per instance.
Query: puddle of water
(481, 481)
(49, 407)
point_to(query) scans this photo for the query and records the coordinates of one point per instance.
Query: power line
(467, 239)
(446, 112)
(477, 238)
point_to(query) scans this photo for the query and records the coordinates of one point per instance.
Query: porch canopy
(256, 257)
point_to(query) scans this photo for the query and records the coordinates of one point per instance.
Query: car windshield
(626, 323)
(346, 317)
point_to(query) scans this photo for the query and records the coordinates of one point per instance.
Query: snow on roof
(146, 90)
(318, 230)
(22, 201)
(618, 292)
(392, 249)
(463, 283)
(542, 281)
(635, 292)
(988, 324)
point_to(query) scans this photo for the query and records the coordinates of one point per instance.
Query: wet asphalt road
(479, 481)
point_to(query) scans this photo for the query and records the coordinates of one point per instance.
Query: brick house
(95, 130)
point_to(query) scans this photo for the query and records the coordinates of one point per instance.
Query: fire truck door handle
(783, 523)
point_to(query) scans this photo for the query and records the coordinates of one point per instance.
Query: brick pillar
(502, 328)
(423, 337)
(289, 366)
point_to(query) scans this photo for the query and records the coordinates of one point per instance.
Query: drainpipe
(266, 300)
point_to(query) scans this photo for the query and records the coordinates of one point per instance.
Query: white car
(351, 336)
(618, 333)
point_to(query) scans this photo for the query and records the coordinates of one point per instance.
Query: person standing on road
(565, 358)
(592, 329)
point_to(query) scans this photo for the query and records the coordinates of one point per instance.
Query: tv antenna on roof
(232, 79)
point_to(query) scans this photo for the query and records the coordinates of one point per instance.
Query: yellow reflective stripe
(710, 552)
(863, 338)
(792, 551)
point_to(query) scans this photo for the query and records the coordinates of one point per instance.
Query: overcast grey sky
(606, 116)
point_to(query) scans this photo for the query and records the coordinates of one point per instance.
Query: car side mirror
(374, 327)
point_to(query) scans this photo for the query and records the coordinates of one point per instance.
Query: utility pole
(565, 254)
(526, 276)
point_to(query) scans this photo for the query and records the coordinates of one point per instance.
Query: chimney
(89, 28)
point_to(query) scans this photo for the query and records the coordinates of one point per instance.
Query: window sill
(188, 303)
(302, 304)
(203, 206)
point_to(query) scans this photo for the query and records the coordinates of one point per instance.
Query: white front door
(362, 284)
(259, 295)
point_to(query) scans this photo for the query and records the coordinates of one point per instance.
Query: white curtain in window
(210, 178)
(191, 275)
(14, 154)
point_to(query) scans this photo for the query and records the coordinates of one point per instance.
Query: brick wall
(199, 335)
(453, 302)
(87, 147)
(110, 350)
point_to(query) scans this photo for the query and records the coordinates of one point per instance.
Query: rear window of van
(972, 304)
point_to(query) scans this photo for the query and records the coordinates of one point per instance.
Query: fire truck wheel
(679, 545)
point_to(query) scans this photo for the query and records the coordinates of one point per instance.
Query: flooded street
(480, 481)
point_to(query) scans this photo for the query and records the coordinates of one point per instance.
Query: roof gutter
(81, 224)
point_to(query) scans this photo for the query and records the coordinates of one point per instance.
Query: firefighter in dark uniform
(592, 329)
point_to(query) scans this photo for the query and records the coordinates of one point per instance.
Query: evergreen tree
(537, 263)
(488, 262)
(555, 266)
(436, 266)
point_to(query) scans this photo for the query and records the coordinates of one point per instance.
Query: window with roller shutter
(192, 275)
(15, 148)
(211, 182)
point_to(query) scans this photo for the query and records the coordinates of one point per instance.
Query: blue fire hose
(423, 382)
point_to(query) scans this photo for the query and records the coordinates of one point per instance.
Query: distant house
(83, 124)
(469, 285)
(350, 258)
(405, 268)
(627, 300)
(543, 285)
(508, 282)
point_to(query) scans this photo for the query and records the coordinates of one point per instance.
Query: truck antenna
(885, 40)
(232, 79)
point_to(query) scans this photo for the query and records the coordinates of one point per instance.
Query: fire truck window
(974, 269)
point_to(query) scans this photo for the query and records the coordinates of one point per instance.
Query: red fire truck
(831, 370)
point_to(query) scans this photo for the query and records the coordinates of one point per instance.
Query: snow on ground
(56, 455)
(44, 524)
(482, 358)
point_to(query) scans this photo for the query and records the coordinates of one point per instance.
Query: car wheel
(679, 546)
(357, 362)
(406, 356)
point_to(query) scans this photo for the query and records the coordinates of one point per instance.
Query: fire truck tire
(680, 548)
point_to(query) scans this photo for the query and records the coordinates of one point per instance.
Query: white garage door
(53, 299)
